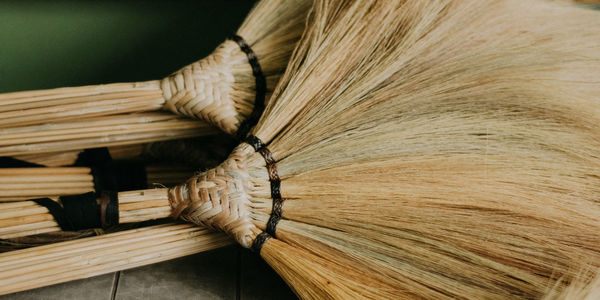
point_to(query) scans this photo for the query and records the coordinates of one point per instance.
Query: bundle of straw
(436, 149)
(55, 263)
(98, 132)
(24, 218)
(53, 159)
(27, 183)
(220, 89)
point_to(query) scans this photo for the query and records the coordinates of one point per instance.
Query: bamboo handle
(99, 132)
(144, 205)
(42, 106)
(60, 262)
(18, 183)
(19, 219)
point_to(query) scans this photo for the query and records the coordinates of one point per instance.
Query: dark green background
(46, 44)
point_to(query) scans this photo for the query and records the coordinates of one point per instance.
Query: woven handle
(202, 90)
(218, 199)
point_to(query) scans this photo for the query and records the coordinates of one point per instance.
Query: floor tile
(210, 275)
(96, 288)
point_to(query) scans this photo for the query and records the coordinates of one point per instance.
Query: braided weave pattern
(202, 90)
(218, 199)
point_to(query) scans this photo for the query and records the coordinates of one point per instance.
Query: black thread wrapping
(259, 241)
(82, 211)
(277, 208)
(109, 208)
(260, 89)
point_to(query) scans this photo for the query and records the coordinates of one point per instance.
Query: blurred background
(46, 44)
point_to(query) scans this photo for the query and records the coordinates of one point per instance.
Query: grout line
(115, 285)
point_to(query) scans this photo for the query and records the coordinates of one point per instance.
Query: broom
(437, 149)
(220, 89)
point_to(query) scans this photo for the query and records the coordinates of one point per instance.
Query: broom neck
(203, 89)
(219, 198)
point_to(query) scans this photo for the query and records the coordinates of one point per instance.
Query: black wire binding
(260, 87)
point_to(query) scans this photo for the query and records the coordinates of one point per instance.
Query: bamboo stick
(33, 136)
(136, 206)
(87, 90)
(19, 183)
(7, 212)
(52, 102)
(84, 258)
(31, 107)
(45, 170)
(22, 198)
(28, 229)
(98, 132)
(25, 219)
(78, 110)
(36, 231)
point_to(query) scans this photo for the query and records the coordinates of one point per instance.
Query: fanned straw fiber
(436, 149)
(586, 286)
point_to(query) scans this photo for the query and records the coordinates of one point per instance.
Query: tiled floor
(228, 273)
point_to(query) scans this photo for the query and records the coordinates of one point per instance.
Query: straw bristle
(272, 30)
(456, 146)
(442, 149)
(585, 286)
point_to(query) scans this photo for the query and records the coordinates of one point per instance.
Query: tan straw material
(22, 218)
(28, 183)
(83, 258)
(202, 90)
